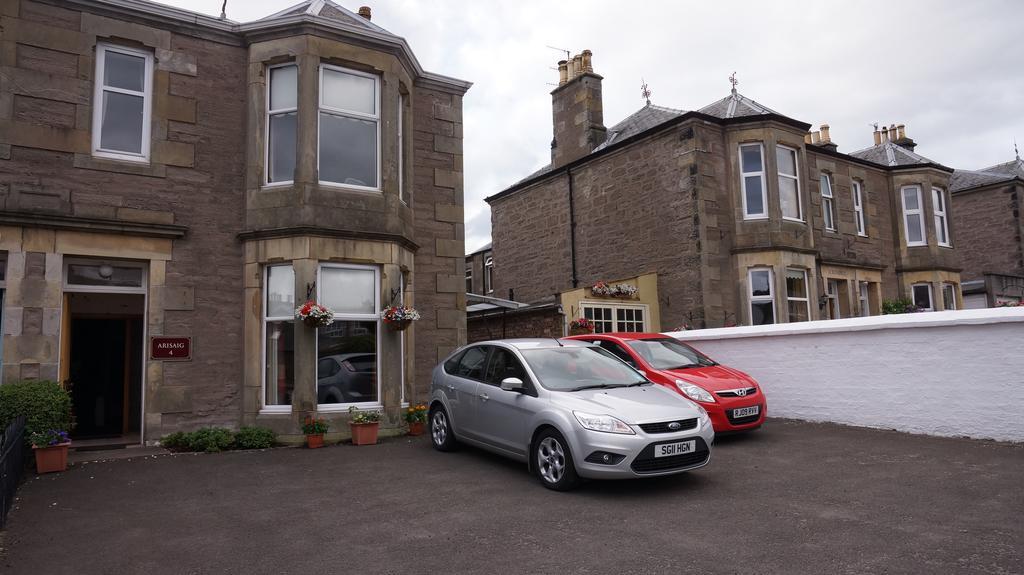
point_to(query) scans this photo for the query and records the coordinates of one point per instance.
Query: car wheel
(552, 461)
(441, 430)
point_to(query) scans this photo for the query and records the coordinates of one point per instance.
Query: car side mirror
(513, 384)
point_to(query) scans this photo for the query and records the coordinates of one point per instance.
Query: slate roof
(326, 9)
(969, 179)
(892, 154)
(736, 105)
(643, 119)
(482, 248)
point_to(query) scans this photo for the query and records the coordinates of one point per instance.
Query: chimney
(902, 139)
(364, 11)
(824, 134)
(878, 135)
(815, 138)
(807, 138)
(884, 134)
(577, 111)
(892, 133)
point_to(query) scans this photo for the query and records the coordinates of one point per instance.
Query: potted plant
(314, 315)
(51, 448)
(581, 326)
(399, 317)
(364, 425)
(314, 428)
(416, 417)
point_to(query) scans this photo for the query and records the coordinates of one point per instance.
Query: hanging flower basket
(581, 326)
(314, 315)
(614, 290)
(399, 317)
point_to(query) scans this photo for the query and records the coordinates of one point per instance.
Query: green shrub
(210, 439)
(900, 305)
(45, 404)
(255, 438)
(177, 441)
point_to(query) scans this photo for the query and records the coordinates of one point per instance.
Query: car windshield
(576, 368)
(669, 354)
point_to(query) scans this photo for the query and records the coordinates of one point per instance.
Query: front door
(105, 375)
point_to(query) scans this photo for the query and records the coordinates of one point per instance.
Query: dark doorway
(105, 375)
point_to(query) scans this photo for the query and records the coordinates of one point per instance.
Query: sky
(951, 71)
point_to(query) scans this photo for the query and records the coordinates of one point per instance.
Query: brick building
(165, 173)
(987, 212)
(730, 214)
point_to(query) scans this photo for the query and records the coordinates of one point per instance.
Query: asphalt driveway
(792, 498)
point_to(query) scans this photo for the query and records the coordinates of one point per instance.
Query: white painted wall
(954, 373)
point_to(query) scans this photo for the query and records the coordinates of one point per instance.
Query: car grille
(663, 426)
(746, 419)
(750, 391)
(647, 463)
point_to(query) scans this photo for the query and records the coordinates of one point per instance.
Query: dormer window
(349, 133)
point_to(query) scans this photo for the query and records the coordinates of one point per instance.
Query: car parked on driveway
(569, 409)
(732, 398)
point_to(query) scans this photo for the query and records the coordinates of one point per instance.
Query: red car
(732, 398)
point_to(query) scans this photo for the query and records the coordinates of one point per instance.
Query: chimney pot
(577, 64)
(901, 131)
(884, 133)
(807, 138)
(824, 133)
(365, 12)
(892, 132)
(815, 137)
(588, 65)
(563, 72)
(878, 136)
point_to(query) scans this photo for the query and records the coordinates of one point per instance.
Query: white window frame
(858, 209)
(941, 219)
(489, 275)
(832, 302)
(321, 109)
(743, 183)
(97, 103)
(931, 296)
(796, 178)
(140, 289)
(864, 297)
(952, 288)
(918, 213)
(375, 316)
(266, 128)
(762, 298)
(644, 308)
(828, 212)
(807, 292)
(264, 408)
(401, 149)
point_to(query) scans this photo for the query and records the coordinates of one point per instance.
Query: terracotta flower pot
(415, 428)
(364, 433)
(52, 458)
(315, 441)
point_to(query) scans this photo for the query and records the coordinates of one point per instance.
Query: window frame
(752, 299)
(941, 216)
(268, 112)
(264, 318)
(828, 212)
(66, 286)
(931, 295)
(97, 103)
(864, 298)
(796, 178)
(489, 274)
(859, 214)
(919, 212)
(743, 183)
(643, 308)
(469, 278)
(363, 317)
(401, 148)
(807, 291)
(952, 289)
(321, 109)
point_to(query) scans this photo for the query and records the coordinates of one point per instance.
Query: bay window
(827, 201)
(762, 296)
(279, 337)
(789, 183)
(755, 201)
(282, 121)
(349, 132)
(347, 350)
(122, 103)
(797, 298)
(858, 209)
(913, 216)
(941, 221)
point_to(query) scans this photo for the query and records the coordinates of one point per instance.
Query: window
(469, 277)
(789, 183)
(865, 300)
(488, 274)
(616, 318)
(913, 217)
(472, 363)
(949, 296)
(401, 147)
(798, 301)
(122, 102)
(349, 128)
(755, 201)
(282, 121)
(923, 296)
(858, 209)
(832, 299)
(668, 353)
(941, 222)
(352, 341)
(616, 350)
(762, 299)
(279, 338)
(827, 209)
(502, 366)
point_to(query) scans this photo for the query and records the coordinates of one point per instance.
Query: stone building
(167, 174)
(987, 212)
(730, 214)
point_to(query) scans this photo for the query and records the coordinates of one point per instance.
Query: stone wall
(530, 322)
(989, 224)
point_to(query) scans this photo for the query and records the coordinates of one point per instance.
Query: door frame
(143, 290)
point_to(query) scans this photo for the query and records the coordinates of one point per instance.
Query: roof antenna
(223, 10)
(645, 91)
(733, 81)
(567, 57)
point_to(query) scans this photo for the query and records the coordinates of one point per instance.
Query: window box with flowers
(51, 449)
(416, 417)
(399, 317)
(624, 291)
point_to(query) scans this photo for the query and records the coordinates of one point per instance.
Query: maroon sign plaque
(170, 348)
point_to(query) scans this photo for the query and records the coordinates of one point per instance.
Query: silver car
(569, 409)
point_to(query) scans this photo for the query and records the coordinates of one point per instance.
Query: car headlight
(605, 423)
(693, 392)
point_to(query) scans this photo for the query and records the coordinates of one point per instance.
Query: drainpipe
(572, 231)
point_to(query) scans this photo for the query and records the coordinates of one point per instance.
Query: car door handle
(450, 387)
(484, 396)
